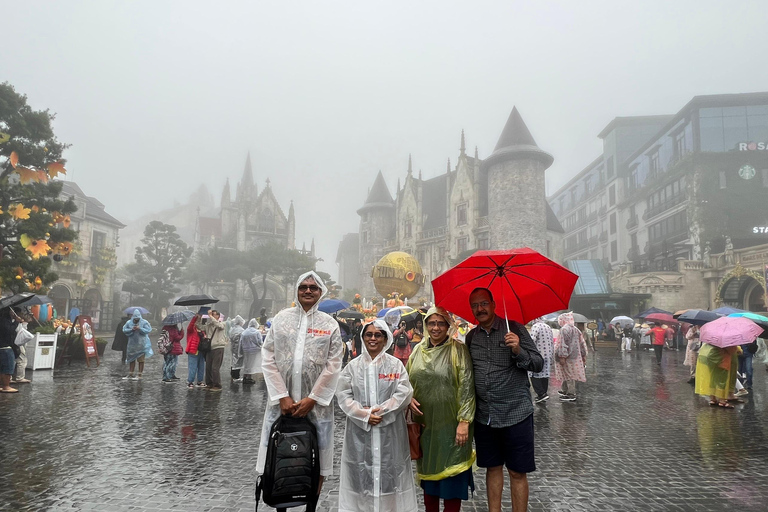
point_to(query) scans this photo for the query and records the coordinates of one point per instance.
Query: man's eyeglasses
(437, 324)
(483, 304)
(311, 287)
(377, 335)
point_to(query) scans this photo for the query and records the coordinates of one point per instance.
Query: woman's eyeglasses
(311, 287)
(377, 335)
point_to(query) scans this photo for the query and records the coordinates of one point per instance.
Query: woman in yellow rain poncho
(440, 370)
(716, 373)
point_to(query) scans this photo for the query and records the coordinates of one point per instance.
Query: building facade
(253, 218)
(496, 203)
(683, 188)
(87, 278)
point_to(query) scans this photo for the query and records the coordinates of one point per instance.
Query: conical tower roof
(517, 142)
(378, 196)
(247, 178)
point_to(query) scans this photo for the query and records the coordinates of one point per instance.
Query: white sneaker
(742, 392)
(128, 377)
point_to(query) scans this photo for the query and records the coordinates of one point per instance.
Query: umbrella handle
(506, 319)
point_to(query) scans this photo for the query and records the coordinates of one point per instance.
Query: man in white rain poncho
(301, 361)
(374, 392)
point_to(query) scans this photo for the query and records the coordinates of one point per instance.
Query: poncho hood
(381, 325)
(437, 310)
(319, 283)
(565, 319)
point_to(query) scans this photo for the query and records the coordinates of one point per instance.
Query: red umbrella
(660, 318)
(525, 285)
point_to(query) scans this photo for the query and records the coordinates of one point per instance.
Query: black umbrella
(37, 300)
(15, 300)
(698, 317)
(195, 300)
(351, 314)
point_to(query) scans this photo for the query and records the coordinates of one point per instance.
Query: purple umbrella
(729, 331)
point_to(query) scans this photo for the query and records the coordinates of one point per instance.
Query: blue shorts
(7, 361)
(510, 446)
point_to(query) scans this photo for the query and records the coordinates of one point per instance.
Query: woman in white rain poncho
(235, 330)
(374, 392)
(301, 361)
(251, 342)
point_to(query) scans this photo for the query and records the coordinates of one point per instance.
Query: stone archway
(740, 288)
(60, 294)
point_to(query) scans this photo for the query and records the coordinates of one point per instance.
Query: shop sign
(753, 146)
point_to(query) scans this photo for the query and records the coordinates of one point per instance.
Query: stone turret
(517, 208)
(377, 225)
(291, 243)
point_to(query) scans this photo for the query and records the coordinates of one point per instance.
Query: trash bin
(41, 352)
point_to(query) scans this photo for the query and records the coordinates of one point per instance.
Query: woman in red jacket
(658, 334)
(195, 359)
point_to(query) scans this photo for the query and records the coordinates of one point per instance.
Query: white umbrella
(623, 321)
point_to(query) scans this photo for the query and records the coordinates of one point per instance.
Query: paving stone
(636, 439)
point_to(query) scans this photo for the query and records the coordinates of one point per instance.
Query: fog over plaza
(159, 97)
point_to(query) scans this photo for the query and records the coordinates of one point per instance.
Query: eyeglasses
(483, 304)
(437, 324)
(311, 287)
(377, 335)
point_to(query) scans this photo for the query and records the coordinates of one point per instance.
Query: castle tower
(291, 243)
(517, 209)
(377, 225)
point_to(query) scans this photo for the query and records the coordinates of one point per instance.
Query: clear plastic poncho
(251, 342)
(301, 357)
(444, 385)
(376, 473)
(138, 340)
(235, 330)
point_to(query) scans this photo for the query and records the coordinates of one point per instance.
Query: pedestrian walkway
(636, 439)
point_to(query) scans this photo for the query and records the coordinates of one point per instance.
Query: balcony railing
(432, 233)
(602, 211)
(661, 208)
(580, 246)
(603, 236)
(632, 222)
(593, 241)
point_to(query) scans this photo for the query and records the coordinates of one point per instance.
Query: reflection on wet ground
(637, 439)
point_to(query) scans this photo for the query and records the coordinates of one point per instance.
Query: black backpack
(292, 469)
(401, 340)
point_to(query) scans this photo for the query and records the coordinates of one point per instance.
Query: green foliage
(33, 140)
(159, 266)
(333, 288)
(45, 328)
(268, 260)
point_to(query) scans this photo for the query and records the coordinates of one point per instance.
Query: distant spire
(247, 172)
(398, 186)
(312, 247)
(410, 169)
(267, 182)
(419, 174)
(225, 197)
(449, 166)
(291, 215)
(463, 146)
(515, 132)
(476, 157)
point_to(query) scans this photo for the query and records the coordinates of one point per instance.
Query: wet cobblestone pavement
(637, 439)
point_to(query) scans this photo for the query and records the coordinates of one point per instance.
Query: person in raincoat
(214, 328)
(139, 347)
(235, 331)
(171, 359)
(251, 342)
(544, 339)
(716, 370)
(569, 357)
(374, 392)
(440, 370)
(301, 361)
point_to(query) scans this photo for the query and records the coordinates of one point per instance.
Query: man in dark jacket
(120, 343)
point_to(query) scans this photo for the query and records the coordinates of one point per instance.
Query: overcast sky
(167, 95)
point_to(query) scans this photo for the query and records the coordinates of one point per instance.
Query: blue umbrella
(332, 305)
(382, 312)
(178, 318)
(130, 310)
(727, 310)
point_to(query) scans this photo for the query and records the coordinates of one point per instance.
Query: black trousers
(658, 349)
(540, 386)
(213, 360)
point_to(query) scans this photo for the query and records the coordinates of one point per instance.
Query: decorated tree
(159, 265)
(34, 222)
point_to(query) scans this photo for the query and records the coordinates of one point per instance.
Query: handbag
(23, 336)
(205, 343)
(414, 436)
